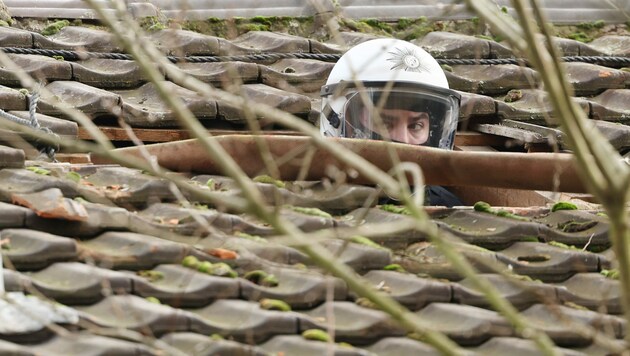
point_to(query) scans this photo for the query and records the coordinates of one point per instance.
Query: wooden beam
(465, 138)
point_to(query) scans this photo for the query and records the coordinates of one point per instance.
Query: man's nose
(398, 133)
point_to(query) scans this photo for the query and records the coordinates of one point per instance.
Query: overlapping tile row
(105, 89)
(227, 275)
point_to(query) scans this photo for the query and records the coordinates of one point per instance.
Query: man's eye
(419, 125)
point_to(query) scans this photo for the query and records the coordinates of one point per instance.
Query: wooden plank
(166, 135)
(465, 138)
(500, 196)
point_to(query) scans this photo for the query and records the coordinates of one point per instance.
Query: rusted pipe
(533, 171)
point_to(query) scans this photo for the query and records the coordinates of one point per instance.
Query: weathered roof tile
(593, 291)
(135, 313)
(34, 249)
(126, 250)
(242, 321)
(78, 38)
(352, 323)
(107, 73)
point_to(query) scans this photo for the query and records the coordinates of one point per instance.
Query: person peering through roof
(389, 89)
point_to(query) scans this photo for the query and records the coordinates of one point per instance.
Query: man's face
(404, 126)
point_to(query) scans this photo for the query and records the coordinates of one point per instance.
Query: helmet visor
(406, 115)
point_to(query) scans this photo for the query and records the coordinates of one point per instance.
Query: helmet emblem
(406, 59)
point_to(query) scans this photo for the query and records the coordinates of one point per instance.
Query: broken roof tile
(51, 203)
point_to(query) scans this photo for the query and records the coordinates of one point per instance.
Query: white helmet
(389, 89)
